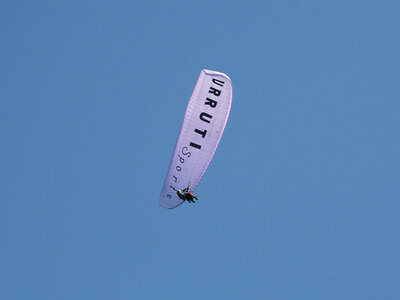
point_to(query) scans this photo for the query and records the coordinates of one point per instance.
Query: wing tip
(163, 204)
(216, 73)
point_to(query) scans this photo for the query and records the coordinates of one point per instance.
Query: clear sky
(301, 200)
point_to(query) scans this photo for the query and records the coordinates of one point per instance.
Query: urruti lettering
(214, 92)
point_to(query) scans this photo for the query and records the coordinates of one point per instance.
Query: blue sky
(301, 200)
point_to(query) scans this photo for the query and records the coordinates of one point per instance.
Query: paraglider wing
(204, 122)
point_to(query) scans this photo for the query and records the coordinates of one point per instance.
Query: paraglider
(204, 122)
(186, 195)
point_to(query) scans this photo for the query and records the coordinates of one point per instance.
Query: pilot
(185, 195)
